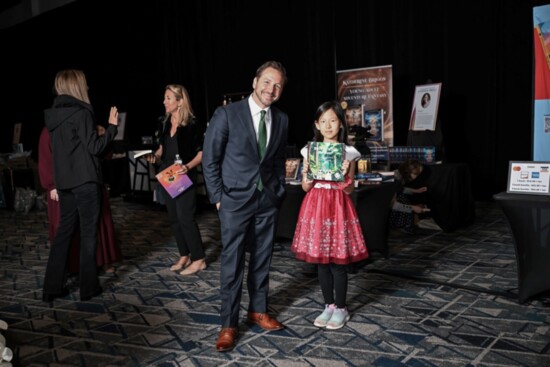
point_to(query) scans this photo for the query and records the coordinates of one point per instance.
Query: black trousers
(82, 205)
(181, 213)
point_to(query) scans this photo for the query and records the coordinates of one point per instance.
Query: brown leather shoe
(226, 339)
(264, 321)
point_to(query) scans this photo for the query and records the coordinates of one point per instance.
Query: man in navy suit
(247, 188)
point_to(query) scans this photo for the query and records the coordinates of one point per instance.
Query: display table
(17, 172)
(116, 174)
(372, 203)
(10, 179)
(449, 194)
(529, 218)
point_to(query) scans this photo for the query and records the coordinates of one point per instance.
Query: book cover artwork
(354, 116)
(429, 155)
(363, 168)
(325, 161)
(291, 168)
(374, 121)
(173, 182)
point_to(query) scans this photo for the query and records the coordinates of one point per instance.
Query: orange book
(173, 182)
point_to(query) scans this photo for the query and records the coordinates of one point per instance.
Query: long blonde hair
(73, 83)
(186, 111)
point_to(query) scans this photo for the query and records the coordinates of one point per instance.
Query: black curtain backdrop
(482, 54)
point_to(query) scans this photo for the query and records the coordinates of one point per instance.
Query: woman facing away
(108, 249)
(181, 141)
(76, 147)
(328, 232)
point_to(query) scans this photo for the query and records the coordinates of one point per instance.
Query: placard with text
(529, 178)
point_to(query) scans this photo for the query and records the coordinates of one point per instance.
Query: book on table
(374, 121)
(172, 181)
(291, 167)
(379, 176)
(325, 161)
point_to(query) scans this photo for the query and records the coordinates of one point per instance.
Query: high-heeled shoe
(181, 265)
(194, 267)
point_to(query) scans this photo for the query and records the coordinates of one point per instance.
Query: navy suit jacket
(231, 163)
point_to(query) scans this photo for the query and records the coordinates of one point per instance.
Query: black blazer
(189, 141)
(231, 163)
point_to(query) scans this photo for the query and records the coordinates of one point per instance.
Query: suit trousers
(78, 205)
(181, 213)
(250, 228)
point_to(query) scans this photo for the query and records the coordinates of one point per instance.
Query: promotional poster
(366, 97)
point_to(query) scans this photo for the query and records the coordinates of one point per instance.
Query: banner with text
(366, 96)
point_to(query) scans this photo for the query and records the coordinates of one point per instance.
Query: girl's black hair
(335, 106)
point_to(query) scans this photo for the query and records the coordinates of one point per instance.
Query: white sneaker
(428, 223)
(338, 319)
(322, 319)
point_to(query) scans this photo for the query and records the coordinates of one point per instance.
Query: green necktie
(262, 141)
(262, 134)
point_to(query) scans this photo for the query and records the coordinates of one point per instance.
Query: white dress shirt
(255, 109)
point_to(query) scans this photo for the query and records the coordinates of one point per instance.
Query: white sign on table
(529, 178)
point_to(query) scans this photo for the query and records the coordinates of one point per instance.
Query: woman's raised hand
(113, 116)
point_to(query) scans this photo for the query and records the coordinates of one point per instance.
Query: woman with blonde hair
(180, 141)
(76, 148)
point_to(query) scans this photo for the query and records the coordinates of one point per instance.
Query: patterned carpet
(441, 299)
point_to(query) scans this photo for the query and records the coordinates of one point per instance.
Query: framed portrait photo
(425, 107)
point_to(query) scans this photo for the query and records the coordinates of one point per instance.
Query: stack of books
(425, 154)
(375, 177)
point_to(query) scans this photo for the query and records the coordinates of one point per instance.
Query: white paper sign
(425, 106)
(121, 126)
(529, 178)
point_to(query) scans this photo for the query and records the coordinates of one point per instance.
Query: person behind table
(181, 137)
(408, 205)
(108, 249)
(248, 189)
(328, 232)
(76, 148)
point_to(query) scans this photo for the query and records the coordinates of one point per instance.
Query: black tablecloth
(116, 174)
(372, 203)
(529, 218)
(449, 194)
(10, 179)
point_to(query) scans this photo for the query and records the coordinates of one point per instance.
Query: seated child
(409, 204)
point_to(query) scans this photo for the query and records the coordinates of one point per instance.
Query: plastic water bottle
(178, 160)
